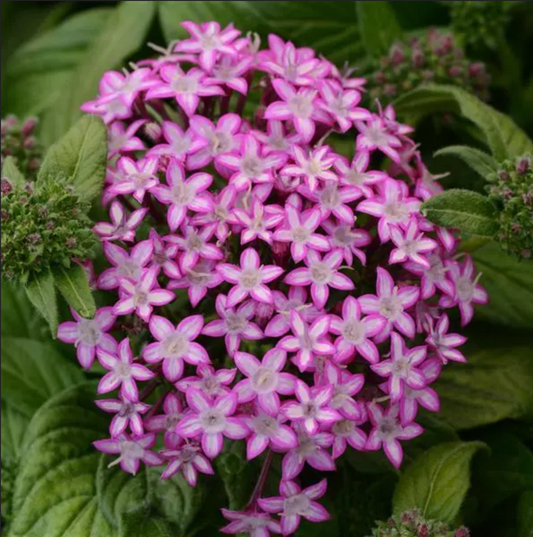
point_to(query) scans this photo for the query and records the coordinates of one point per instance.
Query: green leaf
(14, 425)
(119, 492)
(437, 482)
(478, 160)
(494, 384)
(18, 315)
(32, 372)
(525, 514)
(504, 138)
(140, 523)
(74, 286)
(464, 210)
(123, 34)
(509, 283)
(55, 492)
(10, 170)
(42, 295)
(378, 26)
(81, 156)
(39, 73)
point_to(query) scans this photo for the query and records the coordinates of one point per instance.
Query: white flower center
(464, 288)
(131, 450)
(353, 331)
(210, 385)
(182, 194)
(309, 409)
(330, 197)
(252, 166)
(437, 271)
(250, 278)
(184, 84)
(342, 236)
(301, 106)
(400, 368)
(122, 371)
(410, 247)
(171, 420)
(181, 146)
(265, 425)
(395, 212)
(387, 428)
(89, 332)
(197, 278)
(320, 272)
(210, 42)
(140, 298)
(213, 420)
(355, 178)
(235, 323)
(130, 269)
(343, 428)
(300, 234)
(193, 242)
(188, 453)
(376, 135)
(264, 380)
(390, 307)
(220, 142)
(296, 505)
(127, 410)
(175, 346)
(221, 213)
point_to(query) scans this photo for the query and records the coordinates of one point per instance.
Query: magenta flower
(126, 265)
(374, 134)
(179, 143)
(277, 137)
(122, 226)
(186, 87)
(139, 177)
(129, 85)
(141, 297)
(132, 451)
(295, 503)
(228, 72)
(123, 140)
(320, 274)
(312, 408)
(250, 164)
(164, 255)
(253, 523)
(182, 194)
(355, 333)
(249, 279)
(220, 139)
(297, 106)
(208, 40)
(388, 431)
(307, 341)
(122, 372)
(267, 430)
(175, 344)
(356, 173)
(233, 324)
(187, 459)
(300, 232)
(402, 368)
(467, 290)
(410, 245)
(392, 206)
(347, 433)
(443, 343)
(345, 386)
(126, 413)
(212, 383)
(432, 278)
(264, 379)
(258, 220)
(89, 335)
(222, 216)
(313, 166)
(173, 412)
(334, 199)
(391, 303)
(212, 421)
(347, 240)
(198, 281)
(311, 449)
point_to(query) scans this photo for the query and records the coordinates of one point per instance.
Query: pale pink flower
(410, 245)
(179, 143)
(402, 369)
(88, 335)
(388, 431)
(126, 413)
(122, 372)
(348, 240)
(127, 86)
(443, 343)
(198, 281)
(264, 380)
(122, 227)
(313, 166)
(345, 386)
(334, 199)
(320, 274)
(228, 71)
(253, 523)
(276, 137)
(391, 303)
(374, 134)
(432, 278)
(209, 41)
(357, 175)
(139, 177)
(208, 380)
(258, 220)
(267, 430)
(166, 422)
(164, 255)
(187, 459)
(141, 297)
(131, 450)
(346, 433)
(313, 407)
(183, 194)
(233, 324)
(175, 344)
(249, 279)
(295, 503)
(307, 341)
(123, 140)
(211, 420)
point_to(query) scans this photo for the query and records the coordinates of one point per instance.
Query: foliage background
(53, 54)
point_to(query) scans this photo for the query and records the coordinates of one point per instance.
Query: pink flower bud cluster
(266, 287)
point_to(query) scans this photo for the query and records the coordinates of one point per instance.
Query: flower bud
(6, 187)
(153, 131)
(522, 166)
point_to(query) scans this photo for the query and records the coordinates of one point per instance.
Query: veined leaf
(479, 161)
(14, 425)
(74, 286)
(42, 295)
(525, 514)
(10, 170)
(378, 26)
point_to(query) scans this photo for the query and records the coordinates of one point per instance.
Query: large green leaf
(329, 27)
(14, 424)
(509, 283)
(437, 482)
(42, 294)
(32, 372)
(122, 35)
(55, 492)
(464, 210)
(140, 522)
(494, 384)
(378, 26)
(482, 163)
(10, 170)
(504, 138)
(525, 515)
(74, 286)
(81, 156)
(39, 73)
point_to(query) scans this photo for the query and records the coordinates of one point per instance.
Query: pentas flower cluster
(266, 287)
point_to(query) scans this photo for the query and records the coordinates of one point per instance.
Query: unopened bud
(5, 215)
(503, 176)
(29, 126)
(396, 54)
(455, 70)
(263, 313)
(417, 57)
(34, 238)
(153, 131)
(6, 187)
(71, 242)
(522, 166)
(461, 532)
